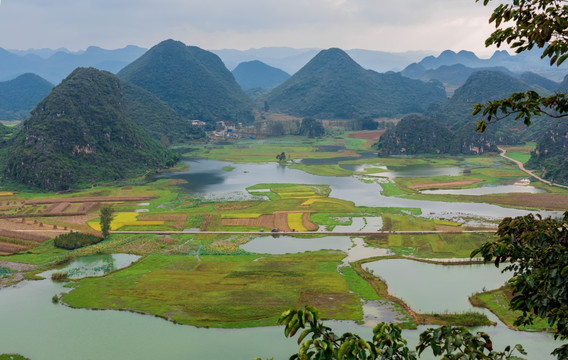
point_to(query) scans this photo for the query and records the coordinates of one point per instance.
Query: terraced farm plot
(125, 219)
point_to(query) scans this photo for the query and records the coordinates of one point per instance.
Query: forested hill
(332, 85)
(20, 95)
(156, 118)
(257, 75)
(416, 134)
(192, 81)
(550, 153)
(80, 134)
(480, 87)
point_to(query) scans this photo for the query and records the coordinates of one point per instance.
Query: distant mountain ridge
(291, 60)
(454, 76)
(257, 75)
(81, 133)
(192, 81)
(525, 61)
(20, 95)
(61, 63)
(333, 85)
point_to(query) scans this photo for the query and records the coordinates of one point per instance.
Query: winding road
(522, 167)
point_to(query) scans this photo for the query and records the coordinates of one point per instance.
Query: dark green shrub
(59, 277)
(75, 240)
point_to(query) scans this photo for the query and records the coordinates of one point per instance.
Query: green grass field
(222, 291)
(498, 302)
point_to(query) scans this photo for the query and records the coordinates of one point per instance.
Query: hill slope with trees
(480, 87)
(79, 134)
(192, 81)
(19, 96)
(332, 85)
(550, 153)
(416, 134)
(157, 118)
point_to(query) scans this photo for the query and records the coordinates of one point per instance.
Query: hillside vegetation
(157, 118)
(416, 134)
(81, 133)
(332, 85)
(192, 81)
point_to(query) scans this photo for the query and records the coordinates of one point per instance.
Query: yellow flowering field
(125, 219)
(295, 221)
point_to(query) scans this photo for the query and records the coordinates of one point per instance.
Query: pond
(95, 265)
(430, 288)
(283, 244)
(52, 331)
(365, 223)
(205, 178)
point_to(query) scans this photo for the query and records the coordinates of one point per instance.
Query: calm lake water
(55, 332)
(426, 288)
(35, 327)
(96, 265)
(283, 244)
(206, 178)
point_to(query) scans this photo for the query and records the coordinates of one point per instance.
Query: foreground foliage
(523, 25)
(387, 342)
(538, 253)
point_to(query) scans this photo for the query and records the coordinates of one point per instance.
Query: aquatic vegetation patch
(4, 272)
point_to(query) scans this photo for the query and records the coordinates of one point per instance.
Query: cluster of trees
(311, 128)
(75, 240)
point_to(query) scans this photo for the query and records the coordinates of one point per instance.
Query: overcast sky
(387, 25)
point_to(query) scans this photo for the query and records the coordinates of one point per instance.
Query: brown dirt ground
(91, 199)
(58, 207)
(281, 221)
(266, 221)
(206, 221)
(367, 134)
(449, 184)
(177, 219)
(8, 248)
(239, 222)
(310, 226)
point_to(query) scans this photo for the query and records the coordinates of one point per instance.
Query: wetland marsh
(243, 280)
